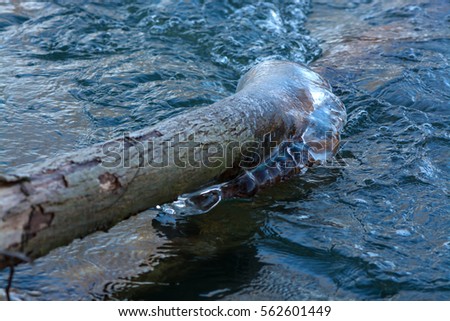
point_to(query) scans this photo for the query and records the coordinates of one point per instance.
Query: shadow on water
(208, 264)
(376, 228)
(215, 254)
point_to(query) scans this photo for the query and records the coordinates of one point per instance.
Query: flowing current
(374, 224)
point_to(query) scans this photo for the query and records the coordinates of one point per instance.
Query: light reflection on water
(377, 228)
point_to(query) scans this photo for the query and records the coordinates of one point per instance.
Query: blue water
(376, 225)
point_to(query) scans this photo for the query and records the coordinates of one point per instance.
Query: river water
(373, 225)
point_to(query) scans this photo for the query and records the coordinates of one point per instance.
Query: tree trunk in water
(51, 204)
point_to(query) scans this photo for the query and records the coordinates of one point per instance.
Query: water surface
(374, 226)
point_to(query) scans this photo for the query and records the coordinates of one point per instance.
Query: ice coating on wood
(312, 137)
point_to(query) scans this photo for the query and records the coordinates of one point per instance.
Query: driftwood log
(49, 205)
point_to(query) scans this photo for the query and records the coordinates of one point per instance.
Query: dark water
(375, 226)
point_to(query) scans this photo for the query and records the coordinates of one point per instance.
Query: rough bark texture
(53, 203)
